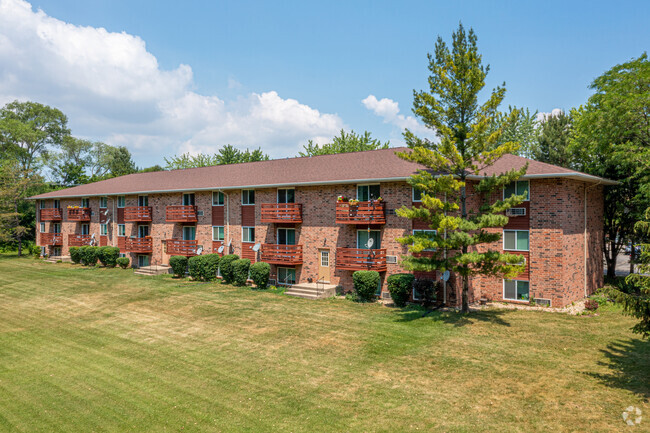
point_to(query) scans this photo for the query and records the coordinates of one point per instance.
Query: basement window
(516, 290)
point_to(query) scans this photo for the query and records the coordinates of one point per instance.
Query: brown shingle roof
(375, 165)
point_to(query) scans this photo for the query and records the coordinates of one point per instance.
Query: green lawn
(104, 350)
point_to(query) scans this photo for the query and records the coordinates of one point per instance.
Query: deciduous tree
(345, 142)
(226, 155)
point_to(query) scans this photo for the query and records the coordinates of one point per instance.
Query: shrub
(591, 305)
(225, 265)
(204, 268)
(36, 250)
(75, 255)
(400, 286)
(260, 274)
(108, 256)
(123, 262)
(88, 255)
(179, 265)
(426, 290)
(240, 270)
(366, 284)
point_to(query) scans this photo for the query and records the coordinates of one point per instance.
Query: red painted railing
(51, 239)
(137, 213)
(79, 214)
(78, 240)
(361, 259)
(181, 214)
(180, 247)
(52, 214)
(139, 245)
(364, 212)
(281, 254)
(281, 213)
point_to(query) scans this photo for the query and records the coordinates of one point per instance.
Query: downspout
(585, 236)
(227, 200)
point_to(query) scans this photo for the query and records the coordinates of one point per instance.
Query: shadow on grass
(457, 319)
(629, 365)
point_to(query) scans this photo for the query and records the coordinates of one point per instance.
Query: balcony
(139, 245)
(79, 240)
(180, 247)
(281, 254)
(282, 213)
(52, 214)
(79, 214)
(361, 259)
(181, 214)
(364, 212)
(137, 214)
(51, 239)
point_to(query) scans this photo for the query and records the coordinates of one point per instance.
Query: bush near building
(260, 274)
(240, 270)
(179, 265)
(400, 286)
(366, 284)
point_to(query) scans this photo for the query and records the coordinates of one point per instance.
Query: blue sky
(273, 74)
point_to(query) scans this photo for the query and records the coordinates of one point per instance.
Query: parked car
(637, 250)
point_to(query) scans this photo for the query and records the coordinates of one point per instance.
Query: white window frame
(146, 198)
(188, 194)
(224, 233)
(368, 185)
(148, 231)
(515, 300)
(516, 182)
(56, 228)
(363, 248)
(103, 229)
(503, 238)
(103, 202)
(121, 201)
(42, 204)
(286, 268)
(246, 192)
(328, 258)
(85, 200)
(82, 229)
(56, 204)
(218, 194)
(413, 189)
(277, 234)
(246, 229)
(183, 233)
(42, 227)
(277, 195)
(121, 228)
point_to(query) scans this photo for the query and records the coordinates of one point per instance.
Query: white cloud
(113, 89)
(389, 111)
(541, 117)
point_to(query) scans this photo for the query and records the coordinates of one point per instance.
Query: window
(367, 192)
(248, 234)
(287, 195)
(248, 196)
(189, 233)
(103, 229)
(143, 200)
(56, 228)
(515, 240)
(85, 229)
(188, 199)
(218, 233)
(369, 239)
(417, 194)
(143, 260)
(287, 236)
(103, 202)
(286, 276)
(428, 233)
(85, 202)
(121, 201)
(217, 198)
(57, 204)
(143, 231)
(42, 227)
(325, 259)
(520, 187)
(122, 255)
(121, 230)
(42, 203)
(516, 290)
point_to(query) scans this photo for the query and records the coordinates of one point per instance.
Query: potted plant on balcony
(353, 202)
(379, 200)
(342, 198)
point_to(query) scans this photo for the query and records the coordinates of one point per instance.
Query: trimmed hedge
(260, 274)
(108, 256)
(427, 290)
(365, 284)
(225, 265)
(400, 286)
(88, 255)
(123, 262)
(179, 265)
(204, 268)
(75, 255)
(240, 270)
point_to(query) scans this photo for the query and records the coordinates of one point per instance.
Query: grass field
(104, 350)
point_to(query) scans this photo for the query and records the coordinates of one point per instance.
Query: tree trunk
(610, 259)
(632, 258)
(20, 246)
(465, 295)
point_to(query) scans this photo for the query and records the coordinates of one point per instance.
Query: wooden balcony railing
(79, 240)
(181, 214)
(281, 213)
(180, 247)
(281, 254)
(364, 212)
(137, 214)
(139, 245)
(52, 214)
(79, 214)
(361, 259)
(51, 239)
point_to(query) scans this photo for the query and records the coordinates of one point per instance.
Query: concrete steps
(311, 290)
(153, 270)
(55, 259)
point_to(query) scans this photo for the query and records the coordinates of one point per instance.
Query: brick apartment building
(287, 210)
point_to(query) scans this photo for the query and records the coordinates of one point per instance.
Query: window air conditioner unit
(391, 259)
(516, 211)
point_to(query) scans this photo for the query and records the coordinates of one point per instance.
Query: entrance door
(323, 265)
(143, 261)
